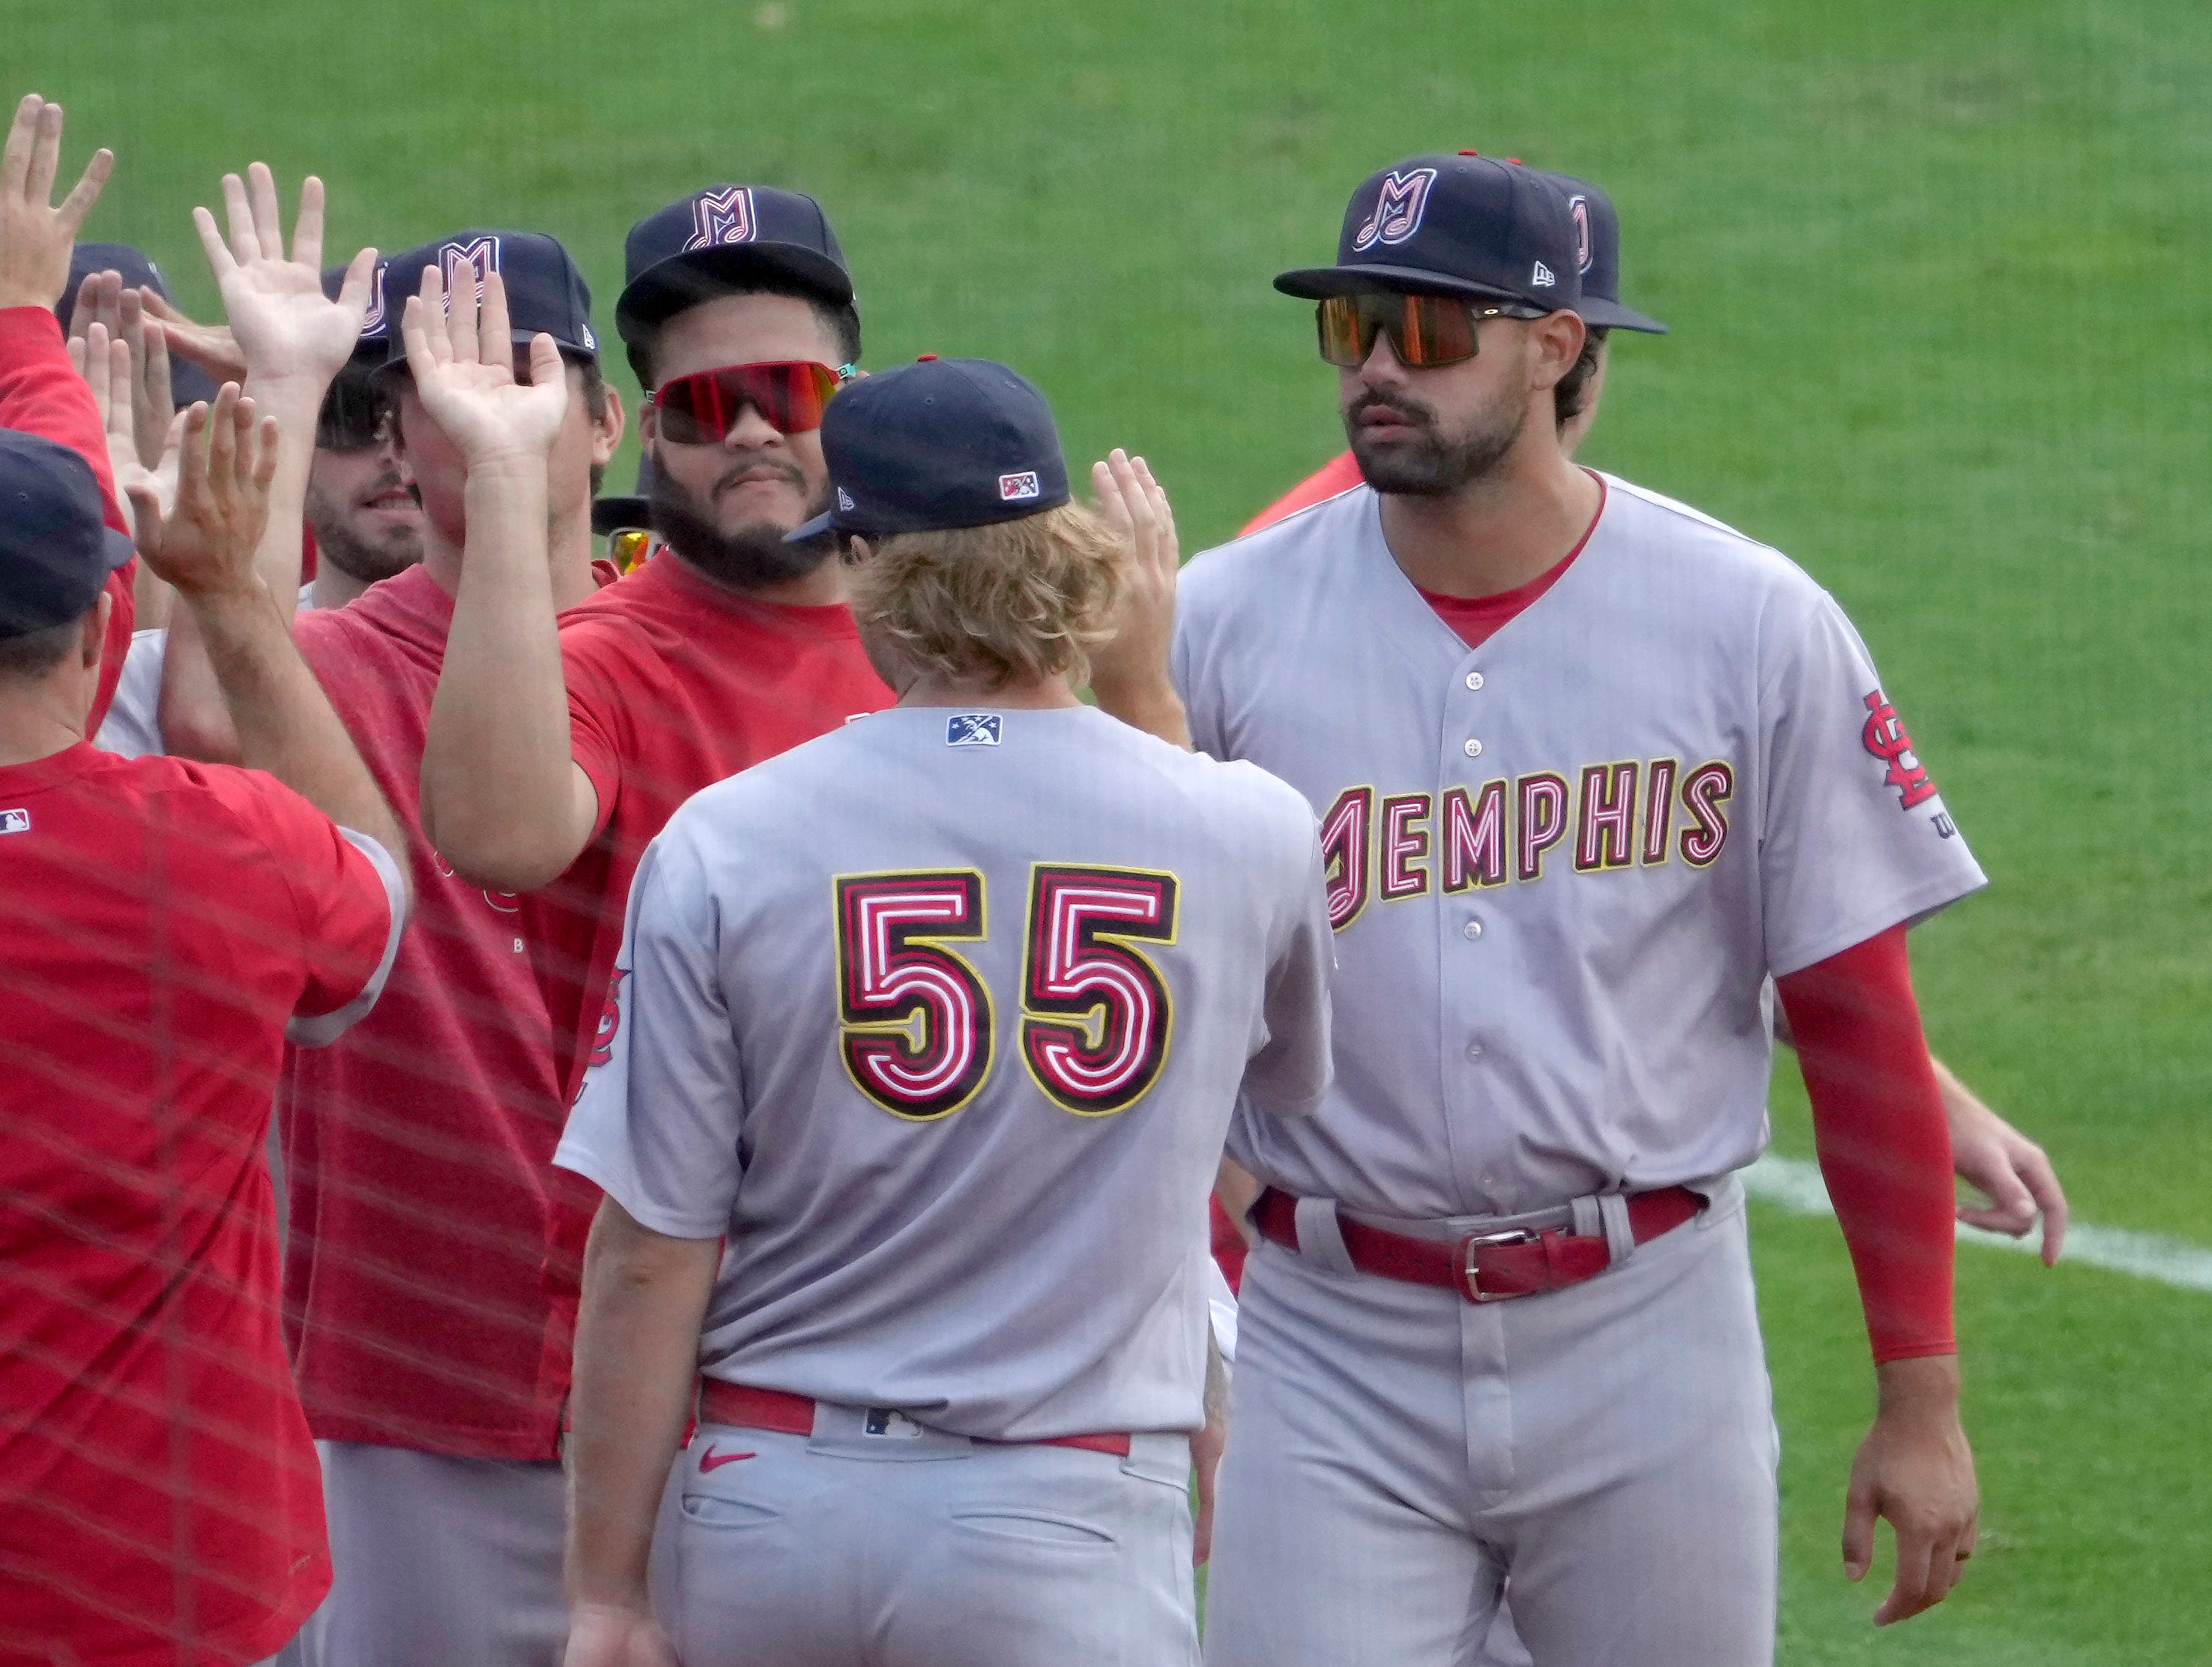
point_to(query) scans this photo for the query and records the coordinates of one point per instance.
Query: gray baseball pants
(916, 1549)
(1396, 1451)
(436, 1562)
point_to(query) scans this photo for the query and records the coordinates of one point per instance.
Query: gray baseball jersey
(941, 1018)
(1562, 866)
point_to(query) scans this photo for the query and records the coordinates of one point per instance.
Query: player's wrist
(1919, 1384)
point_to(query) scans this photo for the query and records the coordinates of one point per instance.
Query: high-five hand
(1129, 672)
(107, 368)
(462, 357)
(204, 546)
(287, 329)
(35, 235)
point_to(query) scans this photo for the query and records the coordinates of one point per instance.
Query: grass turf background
(1936, 278)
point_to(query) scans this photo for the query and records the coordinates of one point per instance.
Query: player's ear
(855, 550)
(1557, 339)
(607, 427)
(94, 639)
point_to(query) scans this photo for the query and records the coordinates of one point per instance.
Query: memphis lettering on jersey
(1392, 846)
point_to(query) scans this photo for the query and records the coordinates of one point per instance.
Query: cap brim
(1316, 284)
(668, 286)
(612, 515)
(814, 529)
(120, 549)
(1612, 315)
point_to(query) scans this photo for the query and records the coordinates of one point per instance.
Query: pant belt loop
(1585, 1221)
(1321, 1237)
(1620, 1237)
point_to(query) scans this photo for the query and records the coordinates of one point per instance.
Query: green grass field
(1936, 278)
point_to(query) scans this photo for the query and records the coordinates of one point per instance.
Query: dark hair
(1567, 392)
(30, 655)
(840, 318)
(354, 409)
(595, 406)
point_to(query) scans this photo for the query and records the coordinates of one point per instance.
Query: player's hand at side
(463, 361)
(607, 1635)
(1129, 671)
(204, 545)
(287, 329)
(36, 234)
(2007, 1168)
(1916, 1470)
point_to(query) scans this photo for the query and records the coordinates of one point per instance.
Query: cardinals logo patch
(1885, 737)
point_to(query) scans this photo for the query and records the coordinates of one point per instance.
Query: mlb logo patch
(724, 216)
(1014, 488)
(19, 821)
(887, 1420)
(972, 729)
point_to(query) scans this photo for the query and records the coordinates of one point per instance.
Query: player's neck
(1495, 534)
(35, 721)
(1025, 694)
(333, 587)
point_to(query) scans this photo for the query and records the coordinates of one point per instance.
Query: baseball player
(1590, 768)
(926, 1035)
(2012, 1172)
(430, 1313)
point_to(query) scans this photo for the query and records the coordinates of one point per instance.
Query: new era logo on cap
(722, 216)
(1398, 208)
(1017, 488)
(972, 729)
(845, 499)
(19, 821)
(1542, 277)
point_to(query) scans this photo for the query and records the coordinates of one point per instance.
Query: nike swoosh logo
(711, 1460)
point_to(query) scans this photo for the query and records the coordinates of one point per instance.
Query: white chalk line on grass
(1795, 1184)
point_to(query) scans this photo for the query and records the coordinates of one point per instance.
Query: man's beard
(1429, 465)
(371, 560)
(752, 558)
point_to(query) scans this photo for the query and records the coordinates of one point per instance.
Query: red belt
(748, 1408)
(1485, 1267)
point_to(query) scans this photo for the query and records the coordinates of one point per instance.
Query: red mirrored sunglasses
(789, 394)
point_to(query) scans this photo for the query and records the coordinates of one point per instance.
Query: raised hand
(288, 331)
(1129, 672)
(36, 236)
(462, 358)
(204, 546)
(107, 369)
(103, 299)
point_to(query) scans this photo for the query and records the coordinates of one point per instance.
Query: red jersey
(674, 682)
(41, 394)
(162, 923)
(418, 1151)
(1340, 473)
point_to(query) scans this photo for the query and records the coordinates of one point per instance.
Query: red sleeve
(592, 737)
(1883, 1141)
(40, 394)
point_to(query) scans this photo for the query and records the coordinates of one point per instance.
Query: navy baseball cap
(187, 381)
(376, 323)
(1597, 232)
(940, 444)
(56, 551)
(1462, 225)
(714, 241)
(545, 292)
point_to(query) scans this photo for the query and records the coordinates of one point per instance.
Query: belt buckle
(1476, 1241)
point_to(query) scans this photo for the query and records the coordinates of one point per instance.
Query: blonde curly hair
(1021, 600)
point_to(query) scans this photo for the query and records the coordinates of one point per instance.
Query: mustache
(1405, 405)
(789, 471)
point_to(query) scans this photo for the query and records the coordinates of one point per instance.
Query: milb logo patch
(1398, 209)
(725, 217)
(972, 729)
(1016, 488)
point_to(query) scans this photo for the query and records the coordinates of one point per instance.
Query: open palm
(463, 361)
(285, 326)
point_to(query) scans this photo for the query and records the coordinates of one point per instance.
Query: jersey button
(1473, 748)
(1474, 1050)
(1472, 930)
(1475, 680)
